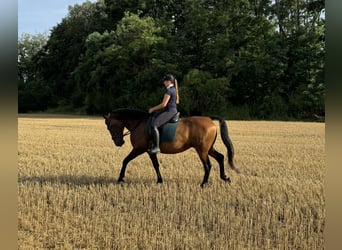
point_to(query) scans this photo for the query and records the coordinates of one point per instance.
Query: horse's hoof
(226, 179)
(203, 185)
(159, 181)
(121, 180)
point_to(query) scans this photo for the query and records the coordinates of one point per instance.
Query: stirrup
(154, 150)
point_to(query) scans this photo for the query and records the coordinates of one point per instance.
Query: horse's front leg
(155, 163)
(133, 154)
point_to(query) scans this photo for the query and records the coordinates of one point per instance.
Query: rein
(128, 132)
(122, 114)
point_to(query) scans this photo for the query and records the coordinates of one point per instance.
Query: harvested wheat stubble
(69, 198)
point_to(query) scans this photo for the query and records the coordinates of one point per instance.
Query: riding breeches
(160, 118)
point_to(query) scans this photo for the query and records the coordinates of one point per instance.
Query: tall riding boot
(155, 136)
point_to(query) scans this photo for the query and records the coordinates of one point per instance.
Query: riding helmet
(169, 77)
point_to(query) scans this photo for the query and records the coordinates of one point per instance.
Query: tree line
(242, 59)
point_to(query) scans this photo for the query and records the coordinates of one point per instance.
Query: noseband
(120, 136)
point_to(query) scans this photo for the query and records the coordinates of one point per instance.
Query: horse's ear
(106, 116)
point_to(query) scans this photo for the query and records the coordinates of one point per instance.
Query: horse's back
(191, 132)
(199, 123)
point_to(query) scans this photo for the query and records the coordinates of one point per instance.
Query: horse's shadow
(73, 180)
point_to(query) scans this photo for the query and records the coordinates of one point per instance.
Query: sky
(39, 16)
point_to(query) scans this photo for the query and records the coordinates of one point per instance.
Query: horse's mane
(130, 114)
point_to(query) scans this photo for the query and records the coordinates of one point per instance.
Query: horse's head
(116, 128)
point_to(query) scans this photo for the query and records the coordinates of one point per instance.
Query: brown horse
(198, 132)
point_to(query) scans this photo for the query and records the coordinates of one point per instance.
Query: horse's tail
(226, 140)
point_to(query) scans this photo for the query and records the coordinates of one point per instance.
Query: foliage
(130, 50)
(33, 93)
(262, 58)
(201, 93)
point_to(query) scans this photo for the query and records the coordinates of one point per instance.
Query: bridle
(126, 133)
(121, 136)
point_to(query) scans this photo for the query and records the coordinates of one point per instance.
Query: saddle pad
(166, 132)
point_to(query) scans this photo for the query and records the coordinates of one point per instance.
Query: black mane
(130, 114)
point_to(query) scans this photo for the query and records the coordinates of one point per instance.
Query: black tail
(226, 140)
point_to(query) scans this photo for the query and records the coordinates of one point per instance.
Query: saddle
(175, 118)
(166, 131)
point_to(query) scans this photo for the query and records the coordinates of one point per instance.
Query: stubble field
(68, 197)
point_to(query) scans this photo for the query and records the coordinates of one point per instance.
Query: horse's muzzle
(118, 142)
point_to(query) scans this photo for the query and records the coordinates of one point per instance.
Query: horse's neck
(131, 125)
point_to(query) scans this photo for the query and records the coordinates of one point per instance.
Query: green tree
(262, 57)
(115, 64)
(301, 28)
(202, 94)
(33, 95)
(61, 54)
(28, 47)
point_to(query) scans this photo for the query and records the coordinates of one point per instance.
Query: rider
(166, 110)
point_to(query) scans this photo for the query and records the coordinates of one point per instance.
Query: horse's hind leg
(220, 159)
(155, 163)
(206, 165)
